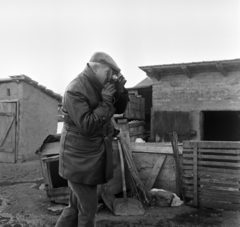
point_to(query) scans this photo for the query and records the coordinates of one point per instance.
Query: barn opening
(221, 125)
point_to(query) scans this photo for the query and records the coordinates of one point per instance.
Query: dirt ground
(23, 204)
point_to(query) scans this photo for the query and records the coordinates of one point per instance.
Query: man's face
(103, 73)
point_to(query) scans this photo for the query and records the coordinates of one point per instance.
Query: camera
(114, 79)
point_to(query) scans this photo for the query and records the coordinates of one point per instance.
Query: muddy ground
(23, 204)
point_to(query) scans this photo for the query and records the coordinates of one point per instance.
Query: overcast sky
(52, 40)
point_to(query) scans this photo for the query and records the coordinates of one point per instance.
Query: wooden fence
(211, 174)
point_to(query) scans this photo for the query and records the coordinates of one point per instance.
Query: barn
(28, 114)
(198, 100)
(201, 102)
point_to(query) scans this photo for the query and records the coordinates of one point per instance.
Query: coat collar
(88, 72)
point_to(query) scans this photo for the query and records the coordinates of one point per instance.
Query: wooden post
(195, 175)
(179, 188)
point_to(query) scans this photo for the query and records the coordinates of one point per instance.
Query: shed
(198, 100)
(28, 114)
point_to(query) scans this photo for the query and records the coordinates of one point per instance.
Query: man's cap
(101, 57)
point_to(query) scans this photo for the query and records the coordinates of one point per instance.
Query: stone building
(199, 100)
(28, 114)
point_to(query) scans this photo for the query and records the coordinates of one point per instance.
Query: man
(85, 160)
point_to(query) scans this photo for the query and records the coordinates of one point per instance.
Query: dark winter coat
(86, 139)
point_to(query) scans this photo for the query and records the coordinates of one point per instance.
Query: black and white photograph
(120, 113)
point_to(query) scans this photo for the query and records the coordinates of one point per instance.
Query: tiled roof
(33, 83)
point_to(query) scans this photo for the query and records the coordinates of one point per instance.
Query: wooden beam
(221, 69)
(186, 71)
(153, 74)
(154, 173)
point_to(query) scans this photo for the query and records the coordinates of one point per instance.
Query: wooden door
(8, 125)
(165, 122)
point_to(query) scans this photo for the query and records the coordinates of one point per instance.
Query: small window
(8, 92)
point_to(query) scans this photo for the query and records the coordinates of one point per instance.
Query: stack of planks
(136, 108)
(211, 174)
(133, 118)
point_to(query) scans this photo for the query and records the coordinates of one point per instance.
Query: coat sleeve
(121, 101)
(87, 120)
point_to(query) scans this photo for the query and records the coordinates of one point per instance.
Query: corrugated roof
(33, 83)
(222, 66)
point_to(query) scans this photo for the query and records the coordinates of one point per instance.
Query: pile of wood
(133, 118)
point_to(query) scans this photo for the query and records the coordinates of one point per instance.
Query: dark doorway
(221, 125)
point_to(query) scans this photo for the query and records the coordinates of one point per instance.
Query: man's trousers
(82, 206)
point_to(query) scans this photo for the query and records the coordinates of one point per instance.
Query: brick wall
(205, 91)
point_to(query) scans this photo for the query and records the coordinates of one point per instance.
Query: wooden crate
(135, 108)
(57, 188)
(136, 130)
(211, 174)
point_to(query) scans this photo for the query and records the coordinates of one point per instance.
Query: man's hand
(121, 82)
(108, 92)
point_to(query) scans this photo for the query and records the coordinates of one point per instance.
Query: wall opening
(221, 125)
(8, 92)
(57, 180)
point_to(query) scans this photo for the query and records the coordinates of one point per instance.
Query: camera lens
(115, 78)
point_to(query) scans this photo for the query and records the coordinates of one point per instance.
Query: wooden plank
(7, 129)
(6, 114)
(219, 197)
(46, 176)
(50, 186)
(8, 132)
(188, 187)
(7, 149)
(211, 163)
(178, 171)
(219, 170)
(136, 106)
(219, 205)
(59, 199)
(58, 191)
(158, 148)
(221, 69)
(135, 124)
(218, 151)
(216, 157)
(195, 175)
(136, 133)
(210, 184)
(50, 148)
(143, 108)
(188, 194)
(186, 71)
(218, 191)
(51, 158)
(212, 144)
(212, 175)
(213, 196)
(7, 157)
(154, 173)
